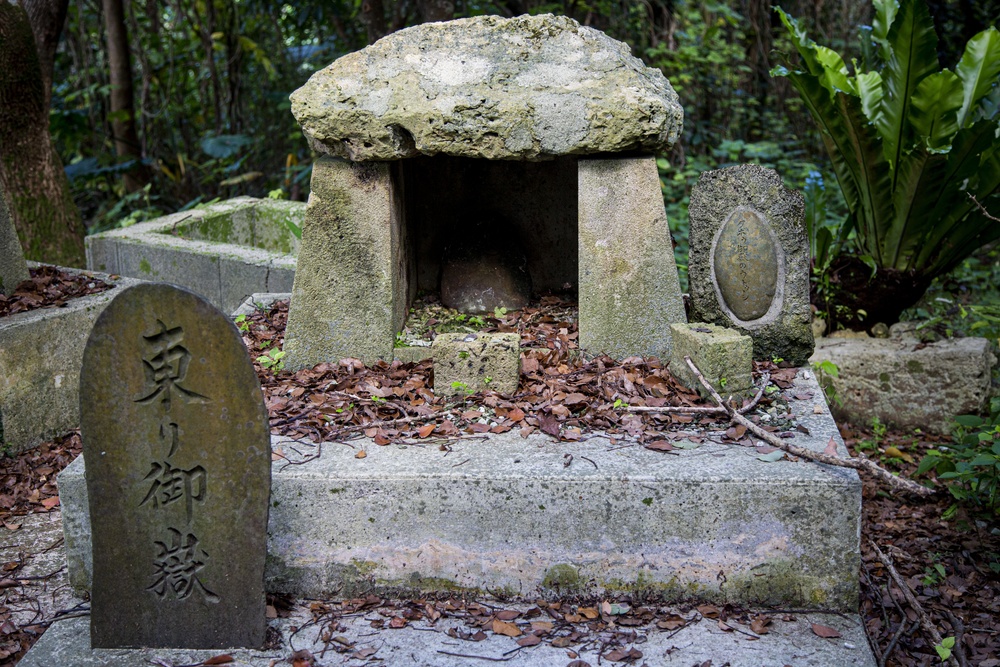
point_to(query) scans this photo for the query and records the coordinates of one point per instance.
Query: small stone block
(719, 353)
(467, 363)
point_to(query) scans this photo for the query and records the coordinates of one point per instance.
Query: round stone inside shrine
(746, 265)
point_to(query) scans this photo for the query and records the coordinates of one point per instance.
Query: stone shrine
(749, 260)
(532, 135)
(13, 268)
(178, 470)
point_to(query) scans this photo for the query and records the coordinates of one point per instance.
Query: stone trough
(224, 251)
(40, 354)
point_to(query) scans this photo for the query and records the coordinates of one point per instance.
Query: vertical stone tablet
(749, 260)
(177, 447)
(13, 268)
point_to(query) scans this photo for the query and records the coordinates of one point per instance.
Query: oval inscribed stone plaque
(178, 466)
(745, 265)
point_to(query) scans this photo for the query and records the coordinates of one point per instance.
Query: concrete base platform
(424, 645)
(524, 517)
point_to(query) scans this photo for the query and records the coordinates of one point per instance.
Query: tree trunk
(47, 221)
(436, 10)
(373, 16)
(47, 18)
(123, 130)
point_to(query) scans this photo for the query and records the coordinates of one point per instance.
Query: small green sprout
(242, 324)
(272, 360)
(619, 404)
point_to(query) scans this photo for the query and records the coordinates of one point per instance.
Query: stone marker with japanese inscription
(177, 445)
(749, 260)
(13, 268)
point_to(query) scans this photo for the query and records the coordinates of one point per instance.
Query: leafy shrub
(971, 466)
(910, 144)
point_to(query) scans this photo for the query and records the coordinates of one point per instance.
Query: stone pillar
(350, 293)
(629, 290)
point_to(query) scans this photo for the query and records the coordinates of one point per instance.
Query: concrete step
(526, 517)
(420, 644)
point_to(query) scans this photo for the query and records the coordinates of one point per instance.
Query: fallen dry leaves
(560, 393)
(49, 287)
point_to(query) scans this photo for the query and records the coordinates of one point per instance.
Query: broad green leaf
(917, 174)
(874, 212)
(913, 48)
(834, 76)
(831, 124)
(979, 70)
(805, 46)
(885, 14)
(869, 86)
(935, 106)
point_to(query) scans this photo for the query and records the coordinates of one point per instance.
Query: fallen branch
(710, 410)
(859, 463)
(925, 620)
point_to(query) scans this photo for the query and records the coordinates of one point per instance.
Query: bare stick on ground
(859, 463)
(925, 620)
(711, 410)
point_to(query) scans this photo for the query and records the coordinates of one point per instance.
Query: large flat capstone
(525, 88)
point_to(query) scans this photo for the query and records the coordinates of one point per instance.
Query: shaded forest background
(160, 106)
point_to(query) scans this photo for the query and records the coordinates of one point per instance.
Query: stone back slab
(13, 268)
(749, 260)
(524, 88)
(176, 437)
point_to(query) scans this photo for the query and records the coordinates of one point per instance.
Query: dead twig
(983, 208)
(859, 463)
(709, 410)
(478, 657)
(925, 620)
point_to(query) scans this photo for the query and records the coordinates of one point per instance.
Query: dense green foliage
(971, 466)
(213, 79)
(911, 145)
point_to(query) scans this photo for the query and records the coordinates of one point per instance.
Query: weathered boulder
(905, 383)
(525, 88)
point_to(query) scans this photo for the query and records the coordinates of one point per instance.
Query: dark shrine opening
(489, 233)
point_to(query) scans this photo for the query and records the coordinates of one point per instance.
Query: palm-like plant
(911, 145)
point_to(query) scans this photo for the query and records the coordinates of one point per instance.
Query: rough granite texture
(719, 353)
(907, 385)
(535, 516)
(629, 290)
(13, 268)
(177, 443)
(525, 88)
(472, 359)
(350, 292)
(784, 330)
(40, 356)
